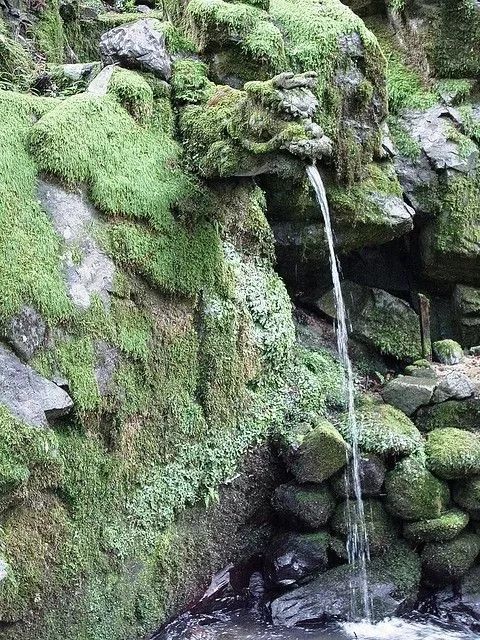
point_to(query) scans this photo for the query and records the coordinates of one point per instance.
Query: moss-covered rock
(466, 493)
(413, 493)
(448, 351)
(307, 507)
(316, 454)
(446, 562)
(371, 471)
(380, 528)
(441, 529)
(457, 414)
(453, 453)
(16, 67)
(384, 430)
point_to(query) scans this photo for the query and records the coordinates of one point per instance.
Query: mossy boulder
(447, 562)
(466, 494)
(413, 493)
(383, 430)
(292, 557)
(307, 507)
(447, 351)
(441, 529)
(371, 470)
(379, 319)
(318, 454)
(380, 528)
(453, 453)
(457, 414)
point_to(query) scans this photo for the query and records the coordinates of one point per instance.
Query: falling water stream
(357, 543)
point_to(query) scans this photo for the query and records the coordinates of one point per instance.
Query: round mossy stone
(446, 562)
(448, 351)
(467, 495)
(322, 453)
(381, 530)
(413, 493)
(442, 529)
(306, 507)
(460, 414)
(383, 430)
(453, 453)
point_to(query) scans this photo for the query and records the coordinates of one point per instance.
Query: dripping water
(357, 543)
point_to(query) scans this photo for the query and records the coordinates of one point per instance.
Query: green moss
(384, 430)
(456, 91)
(318, 453)
(16, 67)
(133, 92)
(190, 82)
(404, 142)
(441, 529)
(448, 351)
(413, 493)
(446, 562)
(49, 34)
(464, 414)
(453, 453)
(308, 507)
(381, 531)
(30, 270)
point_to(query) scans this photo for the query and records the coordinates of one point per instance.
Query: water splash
(357, 543)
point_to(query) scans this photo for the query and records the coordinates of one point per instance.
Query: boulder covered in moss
(447, 562)
(447, 351)
(379, 319)
(413, 493)
(383, 430)
(372, 474)
(393, 580)
(293, 557)
(458, 414)
(307, 507)
(441, 529)
(380, 528)
(466, 494)
(453, 453)
(466, 302)
(318, 454)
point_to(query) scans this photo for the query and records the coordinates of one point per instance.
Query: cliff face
(151, 159)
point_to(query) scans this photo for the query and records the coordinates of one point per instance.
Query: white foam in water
(398, 629)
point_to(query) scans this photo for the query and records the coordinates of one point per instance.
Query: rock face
(140, 44)
(25, 332)
(293, 557)
(30, 397)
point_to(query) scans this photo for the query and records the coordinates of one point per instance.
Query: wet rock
(467, 495)
(453, 453)
(317, 454)
(379, 319)
(448, 352)
(381, 530)
(25, 332)
(88, 270)
(293, 557)
(372, 475)
(307, 507)
(459, 414)
(447, 562)
(442, 529)
(413, 493)
(138, 44)
(409, 393)
(454, 386)
(462, 603)
(28, 395)
(393, 584)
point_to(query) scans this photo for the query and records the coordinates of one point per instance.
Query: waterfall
(357, 543)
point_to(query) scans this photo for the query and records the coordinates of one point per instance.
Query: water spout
(357, 543)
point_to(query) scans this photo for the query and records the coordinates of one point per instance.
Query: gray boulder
(25, 332)
(448, 351)
(372, 475)
(466, 302)
(306, 507)
(454, 386)
(408, 393)
(138, 44)
(293, 557)
(28, 395)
